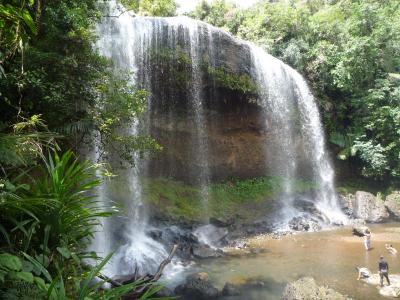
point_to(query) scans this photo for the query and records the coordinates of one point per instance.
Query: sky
(188, 5)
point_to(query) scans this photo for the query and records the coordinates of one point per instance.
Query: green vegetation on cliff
(174, 66)
(248, 199)
(241, 83)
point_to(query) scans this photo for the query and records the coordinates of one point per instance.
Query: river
(328, 256)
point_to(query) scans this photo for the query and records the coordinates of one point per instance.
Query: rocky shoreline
(361, 208)
(219, 237)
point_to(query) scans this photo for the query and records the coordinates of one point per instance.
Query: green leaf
(27, 266)
(5, 234)
(25, 276)
(2, 276)
(43, 259)
(40, 283)
(38, 266)
(76, 258)
(2, 73)
(85, 289)
(29, 21)
(64, 252)
(10, 262)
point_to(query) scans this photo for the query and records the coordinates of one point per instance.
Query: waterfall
(139, 44)
(199, 144)
(284, 94)
(124, 41)
(277, 98)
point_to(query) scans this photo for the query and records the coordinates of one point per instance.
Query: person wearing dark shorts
(383, 270)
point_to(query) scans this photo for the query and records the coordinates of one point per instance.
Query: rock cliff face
(240, 140)
(236, 142)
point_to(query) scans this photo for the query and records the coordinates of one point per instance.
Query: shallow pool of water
(329, 256)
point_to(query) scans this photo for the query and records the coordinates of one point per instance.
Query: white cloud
(189, 5)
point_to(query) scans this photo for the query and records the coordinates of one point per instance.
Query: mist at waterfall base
(283, 96)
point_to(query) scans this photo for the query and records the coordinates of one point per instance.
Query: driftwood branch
(113, 282)
(164, 263)
(149, 280)
(146, 281)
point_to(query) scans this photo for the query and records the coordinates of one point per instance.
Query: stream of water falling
(283, 94)
(124, 41)
(199, 145)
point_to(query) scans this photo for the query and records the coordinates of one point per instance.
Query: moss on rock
(249, 199)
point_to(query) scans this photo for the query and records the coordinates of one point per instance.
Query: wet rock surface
(304, 224)
(393, 290)
(210, 234)
(346, 203)
(197, 286)
(392, 202)
(370, 208)
(359, 230)
(307, 289)
(205, 251)
(230, 289)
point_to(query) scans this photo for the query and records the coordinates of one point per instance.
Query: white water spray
(285, 94)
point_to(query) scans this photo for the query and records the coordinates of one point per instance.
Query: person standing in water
(367, 239)
(383, 270)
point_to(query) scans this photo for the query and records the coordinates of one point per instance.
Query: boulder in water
(197, 286)
(307, 289)
(210, 234)
(304, 224)
(205, 251)
(230, 289)
(359, 230)
(346, 203)
(164, 293)
(370, 208)
(392, 203)
(392, 290)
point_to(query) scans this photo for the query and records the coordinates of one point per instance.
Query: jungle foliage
(350, 53)
(55, 89)
(159, 8)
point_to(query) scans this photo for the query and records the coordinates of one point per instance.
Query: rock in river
(230, 289)
(393, 290)
(393, 204)
(197, 286)
(307, 289)
(205, 251)
(370, 208)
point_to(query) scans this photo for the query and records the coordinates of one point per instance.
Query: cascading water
(277, 98)
(119, 40)
(314, 141)
(285, 94)
(199, 143)
(138, 44)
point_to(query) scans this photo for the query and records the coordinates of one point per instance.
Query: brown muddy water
(328, 256)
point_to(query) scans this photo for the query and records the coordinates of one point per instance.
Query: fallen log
(150, 280)
(146, 281)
